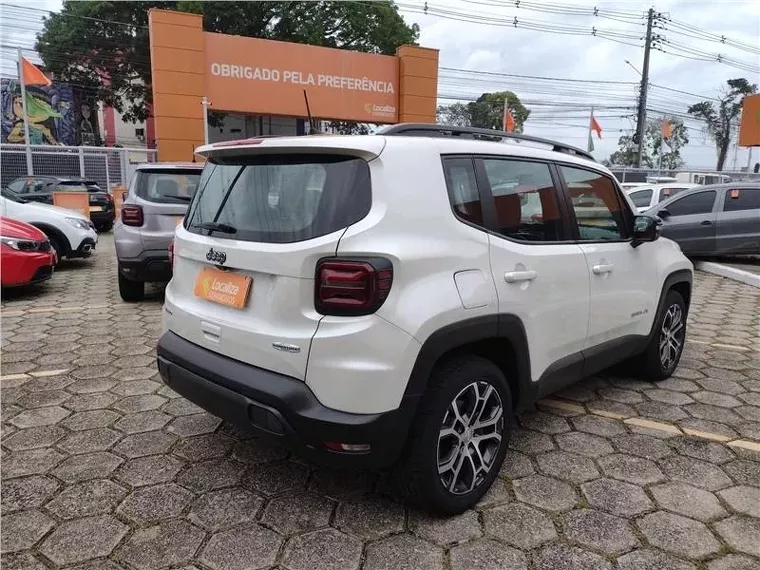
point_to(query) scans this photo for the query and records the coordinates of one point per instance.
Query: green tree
(671, 158)
(103, 46)
(488, 111)
(456, 115)
(721, 119)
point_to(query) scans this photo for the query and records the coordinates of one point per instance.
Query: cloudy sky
(482, 50)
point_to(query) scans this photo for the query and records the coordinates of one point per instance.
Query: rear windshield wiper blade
(178, 197)
(216, 227)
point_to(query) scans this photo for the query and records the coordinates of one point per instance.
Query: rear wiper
(178, 197)
(216, 227)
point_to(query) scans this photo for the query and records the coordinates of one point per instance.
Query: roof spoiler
(431, 130)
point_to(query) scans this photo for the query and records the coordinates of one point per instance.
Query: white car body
(452, 281)
(73, 232)
(647, 196)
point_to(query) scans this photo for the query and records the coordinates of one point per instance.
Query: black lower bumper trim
(152, 266)
(85, 249)
(281, 406)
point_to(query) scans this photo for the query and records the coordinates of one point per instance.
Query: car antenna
(312, 130)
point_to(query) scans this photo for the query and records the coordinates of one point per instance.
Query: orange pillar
(178, 68)
(418, 84)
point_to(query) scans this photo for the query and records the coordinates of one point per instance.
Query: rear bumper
(104, 217)
(280, 406)
(149, 266)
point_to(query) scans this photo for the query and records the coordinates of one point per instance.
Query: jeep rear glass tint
(167, 186)
(281, 198)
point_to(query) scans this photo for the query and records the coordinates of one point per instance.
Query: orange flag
(667, 130)
(509, 121)
(32, 74)
(595, 126)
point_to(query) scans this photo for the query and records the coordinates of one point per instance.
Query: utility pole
(642, 115)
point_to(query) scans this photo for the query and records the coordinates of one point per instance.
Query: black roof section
(430, 130)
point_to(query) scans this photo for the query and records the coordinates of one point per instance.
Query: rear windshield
(79, 186)
(170, 186)
(281, 198)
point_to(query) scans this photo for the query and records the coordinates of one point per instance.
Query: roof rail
(431, 130)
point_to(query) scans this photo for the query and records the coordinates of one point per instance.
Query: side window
(742, 199)
(17, 186)
(641, 198)
(525, 200)
(699, 203)
(463, 189)
(598, 210)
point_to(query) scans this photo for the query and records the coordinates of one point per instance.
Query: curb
(729, 272)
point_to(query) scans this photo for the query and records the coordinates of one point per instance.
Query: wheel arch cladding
(52, 231)
(679, 281)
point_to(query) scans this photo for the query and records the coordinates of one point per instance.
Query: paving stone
(90, 420)
(529, 441)
(716, 399)
(545, 492)
(621, 395)
(255, 451)
(152, 504)
(39, 417)
(661, 411)
(445, 531)
(370, 518)
(87, 466)
(631, 469)
(146, 443)
(273, 478)
(143, 421)
(323, 549)
(83, 539)
(86, 499)
(86, 402)
(34, 438)
(544, 423)
(210, 475)
(584, 444)
(733, 562)
(197, 424)
(518, 525)
(26, 493)
(172, 543)
(141, 403)
(743, 499)
(561, 556)
(688, 501)
(341, 483)
(92, 385)
(694, 472)
(181, 407)
(497, 494)
(516, 465)
(43, 399)
(679, 535)
(708, 427)
(652, 560)
(403, 552)
(225, 508)
(137, 386)
(599, 530)
(577, 393)
(149, 470)
(616, 497)
(670, 397)
(567, 466)
(486, 554)
(678, 385)
(721, 385)
(88, 441)
(297, 512)
(596, 425)
(749, 413)
(31, 462)
(741, 533)
(241, 549)
(713, 413)
(702, 449)
(21, 561)
(23, 529)
(744, 472)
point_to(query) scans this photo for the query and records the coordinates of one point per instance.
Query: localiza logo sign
(380, 110)
(299, 78)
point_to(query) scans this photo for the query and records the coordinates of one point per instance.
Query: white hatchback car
(647, 196)
(395, 299)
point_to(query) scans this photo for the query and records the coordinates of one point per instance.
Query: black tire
(131, 291)
(57, 247)
(651, 364)
(417, 474)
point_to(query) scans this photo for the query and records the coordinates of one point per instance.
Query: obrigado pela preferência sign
(299, 78)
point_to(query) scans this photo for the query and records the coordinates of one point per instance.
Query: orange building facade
(265, 77)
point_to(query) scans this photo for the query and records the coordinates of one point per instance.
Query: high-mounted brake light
(241, 142)
(351, 287)
(132, 215)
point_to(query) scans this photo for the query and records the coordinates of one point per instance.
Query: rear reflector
(132, 215)
(348, 447)
(351, 287)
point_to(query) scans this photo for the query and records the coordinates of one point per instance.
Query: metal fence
(107, 166)
(691, 175)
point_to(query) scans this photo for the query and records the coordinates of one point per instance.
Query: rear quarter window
(282, 198)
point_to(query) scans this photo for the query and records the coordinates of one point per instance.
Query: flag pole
(590, 144)
(27, 141)
(504, 116)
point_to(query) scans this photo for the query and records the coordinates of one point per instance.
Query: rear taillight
(132, 215)
(171, 254)
(350, 287)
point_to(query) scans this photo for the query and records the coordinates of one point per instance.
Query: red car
(25, 254)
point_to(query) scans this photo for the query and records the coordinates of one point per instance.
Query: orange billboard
(252, 75)
(749, 130)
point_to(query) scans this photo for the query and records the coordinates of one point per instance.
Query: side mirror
(664, 214)
(645, 228)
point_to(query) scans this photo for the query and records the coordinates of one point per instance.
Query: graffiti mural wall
(58, 115)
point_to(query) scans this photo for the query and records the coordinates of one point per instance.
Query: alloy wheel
(671, 336)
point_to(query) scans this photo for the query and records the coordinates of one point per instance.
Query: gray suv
(156, 202)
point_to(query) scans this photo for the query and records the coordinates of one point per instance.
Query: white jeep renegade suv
(395, 299)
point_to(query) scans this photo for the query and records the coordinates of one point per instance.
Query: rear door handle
(706, 223)
(515, 276)
(602, 268)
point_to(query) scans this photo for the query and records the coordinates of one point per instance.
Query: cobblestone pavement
(103, 468)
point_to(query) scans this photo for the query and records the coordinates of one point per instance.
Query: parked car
(25, 254)
(71, 235)
(722, 219)
(627, 185)
(156, 202)
(647, 196)
(41, 189)
(384, 300)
